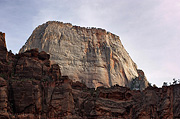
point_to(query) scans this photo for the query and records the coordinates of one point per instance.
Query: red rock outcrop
(3, 49)
(33, 88)
(66, 99)
(3, 54)
(33, 64)
(3, 98)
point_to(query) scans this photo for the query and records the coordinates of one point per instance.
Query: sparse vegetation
(174, 82)
(149, 85)
(154, 85)
(135, 84)
(165, 84)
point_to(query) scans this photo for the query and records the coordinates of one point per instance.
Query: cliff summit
(89, 55)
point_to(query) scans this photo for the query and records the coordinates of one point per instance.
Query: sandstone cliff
(89, 55)
(31, 87)
(31, 64)
(66, 100)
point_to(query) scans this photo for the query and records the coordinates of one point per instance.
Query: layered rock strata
(31, 64)
(89, 55)
(33, 88)
(65, 99)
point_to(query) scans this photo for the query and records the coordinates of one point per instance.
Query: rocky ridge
(89, 55)
(32, 87)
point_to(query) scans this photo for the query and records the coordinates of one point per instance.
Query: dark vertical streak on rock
(108, 53)
(176, 101)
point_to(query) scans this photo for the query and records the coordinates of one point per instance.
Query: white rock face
(92, 56)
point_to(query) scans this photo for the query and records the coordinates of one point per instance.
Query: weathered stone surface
(43, 56)
(34, 65)
(3, 49)
(3, 97)
(28, 65)
(176, 102)
(66, 99)
(92, 56)
(24, 97)
(3, 55)
(29, 68)
(55, 71)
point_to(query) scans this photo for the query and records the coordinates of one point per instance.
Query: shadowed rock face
(92, 56)
(33, 88)
(31, 64)
(66, 99)
(3, 54)
(3, 49)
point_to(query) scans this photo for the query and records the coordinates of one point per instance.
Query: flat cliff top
(90, 55)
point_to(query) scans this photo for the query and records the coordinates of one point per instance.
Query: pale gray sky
(148, 29)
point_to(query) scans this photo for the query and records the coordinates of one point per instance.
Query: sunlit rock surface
(32, 87)
(89, 55)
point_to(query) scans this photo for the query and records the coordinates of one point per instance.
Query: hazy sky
(148, 29)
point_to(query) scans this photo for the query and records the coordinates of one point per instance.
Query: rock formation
(3, 50)
(89, 55)
(65, 99)
(33, 88)
(3, 54)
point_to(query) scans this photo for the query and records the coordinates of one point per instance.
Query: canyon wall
(65, 99)
(32, 87)
(89, 55)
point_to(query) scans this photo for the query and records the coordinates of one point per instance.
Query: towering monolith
(90, 55)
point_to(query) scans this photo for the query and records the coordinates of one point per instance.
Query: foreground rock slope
(89, 55)
(31, 87)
